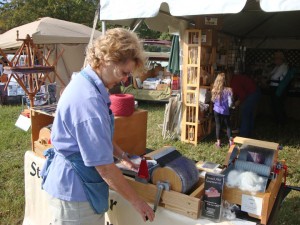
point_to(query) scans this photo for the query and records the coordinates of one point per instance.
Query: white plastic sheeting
(129, 9)
(279, 5)
(257, 23)
(164, 15)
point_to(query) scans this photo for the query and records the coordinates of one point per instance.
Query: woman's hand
(130, 165)
(144, 210)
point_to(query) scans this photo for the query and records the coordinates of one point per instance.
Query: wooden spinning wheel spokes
(34, 71)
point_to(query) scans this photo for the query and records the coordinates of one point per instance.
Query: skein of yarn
(122, 104)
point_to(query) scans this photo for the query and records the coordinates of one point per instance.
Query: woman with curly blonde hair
(80, 168)
(222, 99)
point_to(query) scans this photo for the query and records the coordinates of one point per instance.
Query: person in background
(276, 76)
(246, 95)
(222, 99)
(83, 155)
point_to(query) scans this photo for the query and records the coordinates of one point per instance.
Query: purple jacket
(222, 105)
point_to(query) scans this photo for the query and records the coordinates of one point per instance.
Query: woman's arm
(115, 179)
(122, 156)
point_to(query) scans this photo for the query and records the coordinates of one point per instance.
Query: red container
(175, 83)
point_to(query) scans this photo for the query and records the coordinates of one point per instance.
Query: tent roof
(48, 31)
(256, 21)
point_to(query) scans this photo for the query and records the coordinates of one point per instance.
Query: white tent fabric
(256, 23)
(279, 5)
(162, 14)
(116, 10)
(47, 31)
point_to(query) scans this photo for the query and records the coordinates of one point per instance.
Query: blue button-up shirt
(82, 123)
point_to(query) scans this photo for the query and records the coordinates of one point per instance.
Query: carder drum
(181, 173)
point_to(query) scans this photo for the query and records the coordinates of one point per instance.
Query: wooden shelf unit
(199, 56)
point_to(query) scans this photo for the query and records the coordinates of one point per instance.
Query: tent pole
(103, 27)
(137, 25)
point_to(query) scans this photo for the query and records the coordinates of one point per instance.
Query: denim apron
(95, 188)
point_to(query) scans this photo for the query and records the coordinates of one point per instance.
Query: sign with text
(212, 199)
(251, 204)
(36, 200)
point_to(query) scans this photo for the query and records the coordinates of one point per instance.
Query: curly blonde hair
(219, 86)
(117, 45)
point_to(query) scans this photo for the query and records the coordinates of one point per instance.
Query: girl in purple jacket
(222, 99)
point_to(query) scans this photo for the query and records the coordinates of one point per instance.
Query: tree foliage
(144, 32)
(18, 12)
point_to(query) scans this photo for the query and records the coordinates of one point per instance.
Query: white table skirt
(120, 213)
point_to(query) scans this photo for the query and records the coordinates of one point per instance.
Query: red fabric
(242, 86)
(122, 104)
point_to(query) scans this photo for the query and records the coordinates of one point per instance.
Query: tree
(18, 12)
(144, 32)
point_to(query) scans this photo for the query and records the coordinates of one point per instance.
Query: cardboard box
(162, 87)
(150, 85)
(131, 132)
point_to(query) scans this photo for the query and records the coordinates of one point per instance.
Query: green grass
(14, 143)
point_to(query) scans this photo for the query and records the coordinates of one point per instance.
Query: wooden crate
(234, 195)
(131, 132)
(41, 117)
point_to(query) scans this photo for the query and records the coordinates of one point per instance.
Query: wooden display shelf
(199, 51)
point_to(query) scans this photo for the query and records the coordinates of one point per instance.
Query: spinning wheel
(34, 72)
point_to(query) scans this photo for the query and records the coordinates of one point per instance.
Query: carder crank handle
(160, 187)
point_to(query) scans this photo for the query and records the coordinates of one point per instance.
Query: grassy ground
(14, 143)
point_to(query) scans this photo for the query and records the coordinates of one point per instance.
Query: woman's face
(112, 73)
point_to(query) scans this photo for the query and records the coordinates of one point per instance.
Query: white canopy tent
(256, 23)
(56, 36)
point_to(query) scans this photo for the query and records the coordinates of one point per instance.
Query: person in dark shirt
(246, 94)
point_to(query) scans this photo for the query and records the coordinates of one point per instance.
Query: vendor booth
(181, 190)
(220, 36)
(240, 36)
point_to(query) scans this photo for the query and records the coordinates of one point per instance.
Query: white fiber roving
(245, 180)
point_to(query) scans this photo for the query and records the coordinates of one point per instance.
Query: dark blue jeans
(247, 111)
